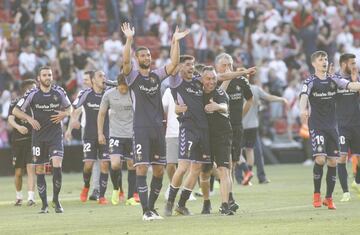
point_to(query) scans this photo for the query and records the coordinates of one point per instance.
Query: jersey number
(138, 149)
(114, 142)
(190, 144)
(87, 147)
(36, 151)
(320, 139)
(342, 139)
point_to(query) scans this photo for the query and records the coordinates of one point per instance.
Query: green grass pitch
(281, 207)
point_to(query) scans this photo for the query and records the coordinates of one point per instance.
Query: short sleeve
(130, 78)
(25, 101)
(307, 87)
(175, 81)
(340, 82)
(221, 96)
(80, 99)
(65, 102)
(245, 86)
(105, 101)
(161, 72)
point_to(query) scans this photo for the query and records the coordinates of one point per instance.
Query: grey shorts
(172, 147)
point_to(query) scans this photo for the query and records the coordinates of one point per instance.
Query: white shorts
(172, 150)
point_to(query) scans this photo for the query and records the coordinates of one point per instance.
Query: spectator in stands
(5, 76)
(66, 31)
(271, 17)
(199, 33)
(279, 66)
(80, 58)
(326, 41)
(82, 9)
(27, 62)
(3, 46)
(201, 8)
(25, 18)
(178, 16)
(113, 48)
(223, 7)
(112, 9)
(154, 20)
(4, 137)
(138, 14)
(65, 60)
(163, 59)
(165, 32)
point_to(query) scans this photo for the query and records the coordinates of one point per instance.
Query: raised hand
(179, 35)
(127, 30)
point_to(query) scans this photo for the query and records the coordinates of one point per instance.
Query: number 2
(138, 149)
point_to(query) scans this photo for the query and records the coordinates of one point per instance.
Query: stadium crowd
(78, 35)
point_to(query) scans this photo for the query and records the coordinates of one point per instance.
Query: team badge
(152, 80)
(320, 148)
(237, 88)
(55, 98)
(34, 159)
(332, 85)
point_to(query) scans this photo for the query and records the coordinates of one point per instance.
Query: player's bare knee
(130, 164)
(158, 171)
(331, 162)
(141, 169)
(342, 159)
(320, 160)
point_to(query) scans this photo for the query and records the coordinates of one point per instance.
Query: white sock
(19, 195)
(31, 195)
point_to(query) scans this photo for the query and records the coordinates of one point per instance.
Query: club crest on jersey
(332, 85)
(237, 88)
(152, 79)
(55, 98)
(320, 148)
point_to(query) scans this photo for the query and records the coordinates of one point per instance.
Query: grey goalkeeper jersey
(120, 113)
(251, 119)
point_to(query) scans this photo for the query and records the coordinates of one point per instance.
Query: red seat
(280, 126)
(233, 15)
(212, 15)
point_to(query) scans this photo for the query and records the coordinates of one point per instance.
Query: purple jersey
(189, 93)
(146, 97)
(43, 106)
(321, 95)
(347, 106)
(91, 100)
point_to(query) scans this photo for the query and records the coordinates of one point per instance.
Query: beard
(144, 66)
(45, 83)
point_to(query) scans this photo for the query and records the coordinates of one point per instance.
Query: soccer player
(238, 89)
(217, 110)
(347, 115)
(93, 148)
(320, 90)
(74, 123)
(149, 138)
(194, 149)
(118, 101)
(21, 148)
(49, 105)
